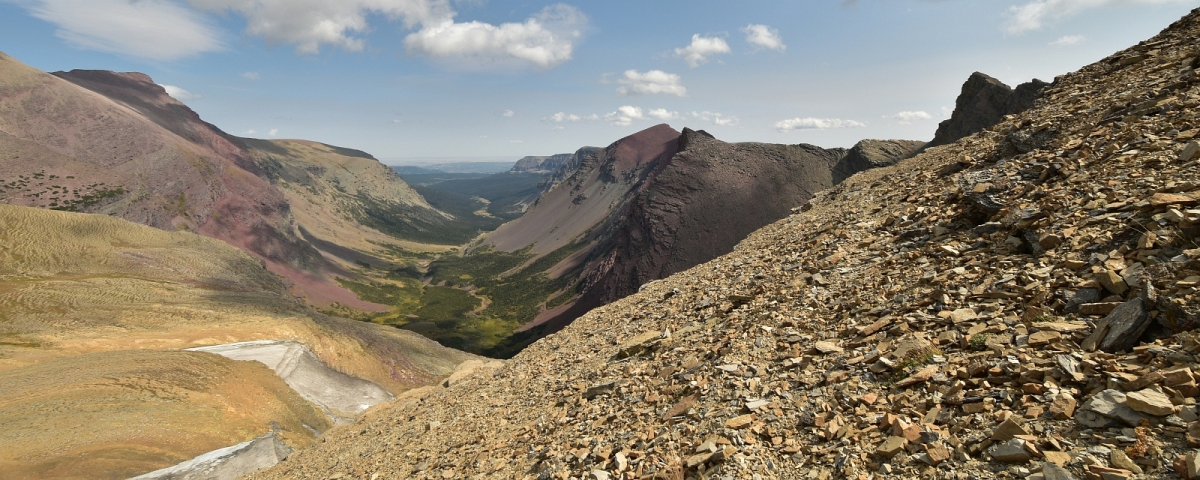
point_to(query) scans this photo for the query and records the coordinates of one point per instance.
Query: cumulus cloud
(1035, 14)
(544, 40)
(715, 118)
(1068, 40)
(250, 132)
(653, 81)
(250, 75)
(179, 93)
(561, 117)
(909, 117)
(308, 24)
(764, 37)
(810, 123)
(662, 114)
(147, 29)
(624, 116)
(701, 49)
(273, 132)
(507, 113)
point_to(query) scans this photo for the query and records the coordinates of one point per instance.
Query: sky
(421, 80)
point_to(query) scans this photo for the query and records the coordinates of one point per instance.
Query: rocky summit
(1017, 304)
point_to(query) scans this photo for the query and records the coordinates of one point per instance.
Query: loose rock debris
(1019, 304)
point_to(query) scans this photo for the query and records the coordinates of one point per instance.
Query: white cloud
(544, 40)
(308, 24)
(662, 114)
(1035, 14)
(653, 81)
(715, 118)
(250, 132)
(701, 48)
(179, 93)
(516, 141)
(906, 118)
(764, 36)
(250, 75)
(1068, 40)
(154, 30)
(507, 113)
(563, 117)
(273, 132)
(624, 116)
(815, 124)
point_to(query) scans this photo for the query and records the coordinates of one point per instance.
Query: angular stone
(937, 454)
(1011, 451)
(1119, 459)
(922, 376)
(1063, 406)
(1057, 458)
(1043, 337)
(1112, 281)
(963, 315)
(1125, 326)
(1189, 151)
(1151, 400)
(827, 347)
(1111, 403)
(1054, 470)
(1007, 430)
(741, 421)
(891, 446)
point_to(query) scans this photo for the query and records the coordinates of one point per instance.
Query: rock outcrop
(984, 101)
(660, 201)
(886, 330)
(541, 165)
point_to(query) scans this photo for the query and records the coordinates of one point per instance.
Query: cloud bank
(145, 29)
(764, 37)
(811, 123)
(1036, 14)
(634, 82)
(701, 49)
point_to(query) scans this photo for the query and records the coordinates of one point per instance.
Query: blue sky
(404, 79)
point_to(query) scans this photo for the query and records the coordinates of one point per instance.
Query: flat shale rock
(886, 329)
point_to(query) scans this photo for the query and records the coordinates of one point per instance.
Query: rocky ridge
(1015, 305)
(983, 102)
(543, 165)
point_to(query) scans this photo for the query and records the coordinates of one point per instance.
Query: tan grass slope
(93, 311)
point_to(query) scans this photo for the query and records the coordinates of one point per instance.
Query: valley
(1014, 298)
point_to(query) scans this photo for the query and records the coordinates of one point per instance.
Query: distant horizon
(396, 79)
(419, 161)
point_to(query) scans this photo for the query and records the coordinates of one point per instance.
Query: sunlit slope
(120, 414)
(75, 287)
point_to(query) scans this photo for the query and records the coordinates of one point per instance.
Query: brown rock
(741, 421)
(891, 446)
(921, 376)
(1151, 400)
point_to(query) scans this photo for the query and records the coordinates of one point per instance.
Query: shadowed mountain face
(983, 102)
(660, 201)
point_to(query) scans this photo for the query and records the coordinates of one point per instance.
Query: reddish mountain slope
(659, 202)
(116, 143)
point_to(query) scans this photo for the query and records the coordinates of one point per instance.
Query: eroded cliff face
(983, 102)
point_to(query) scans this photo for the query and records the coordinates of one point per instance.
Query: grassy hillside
(93, 311)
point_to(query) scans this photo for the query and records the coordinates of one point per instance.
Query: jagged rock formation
(660, 201)
(886, 330)
(984, 101)
(541, 165)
